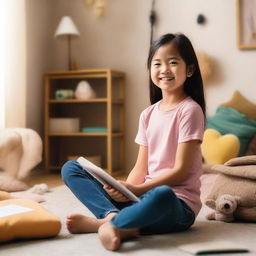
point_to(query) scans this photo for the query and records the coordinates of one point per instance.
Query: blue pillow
(229, 120)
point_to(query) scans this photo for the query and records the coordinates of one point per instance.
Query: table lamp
(68, 29)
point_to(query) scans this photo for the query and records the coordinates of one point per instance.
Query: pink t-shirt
(161, 131)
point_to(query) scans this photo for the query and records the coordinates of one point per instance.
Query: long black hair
(193, 85)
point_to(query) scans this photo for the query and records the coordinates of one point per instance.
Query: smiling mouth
(166, 78)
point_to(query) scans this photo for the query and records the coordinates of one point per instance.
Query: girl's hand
(135, 189)
(115, 194)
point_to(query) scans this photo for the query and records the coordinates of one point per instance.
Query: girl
(168, 167)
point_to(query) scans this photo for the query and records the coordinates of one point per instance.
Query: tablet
(105, 178)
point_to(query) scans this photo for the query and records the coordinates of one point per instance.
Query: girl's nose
(165, 69)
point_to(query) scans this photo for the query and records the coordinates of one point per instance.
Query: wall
(120, 41)
(3, 57)
(25, 55)
(13, 57)
(39, 25)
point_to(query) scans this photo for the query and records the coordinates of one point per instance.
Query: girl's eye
(156, 64)
(173, 62)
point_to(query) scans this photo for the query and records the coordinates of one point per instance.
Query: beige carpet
(61, 202)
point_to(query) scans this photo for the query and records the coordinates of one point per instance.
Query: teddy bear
(224, 206)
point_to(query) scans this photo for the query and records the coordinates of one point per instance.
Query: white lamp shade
(66, 27)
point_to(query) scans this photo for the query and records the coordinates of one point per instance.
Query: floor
(88, 244)
(37, 176)
(51, 178)
(204, 233)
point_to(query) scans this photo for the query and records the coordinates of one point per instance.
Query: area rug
(61, 202)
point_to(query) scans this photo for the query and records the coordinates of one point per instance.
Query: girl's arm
(139, 171)
(135, 177)
(185, 156)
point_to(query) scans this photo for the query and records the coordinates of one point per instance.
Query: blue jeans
(158, 211)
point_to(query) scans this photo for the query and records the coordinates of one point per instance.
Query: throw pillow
(251, 150)
(230, 121)
(241, 104)
(217, 149)
(26, 219)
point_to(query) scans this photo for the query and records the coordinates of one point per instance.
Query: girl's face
(168, 70)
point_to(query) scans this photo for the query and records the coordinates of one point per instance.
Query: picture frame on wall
(246, 24)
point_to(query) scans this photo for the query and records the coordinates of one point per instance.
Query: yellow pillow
(241, 104)
(217, 149)
(31, 220)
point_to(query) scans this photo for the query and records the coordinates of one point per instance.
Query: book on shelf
(94, 129)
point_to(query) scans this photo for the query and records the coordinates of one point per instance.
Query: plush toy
(84, 91)
(235, 186)
(225, 206)
(217, 148)
(20, 151)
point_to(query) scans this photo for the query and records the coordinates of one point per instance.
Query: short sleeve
(191, 126)
(141, 137)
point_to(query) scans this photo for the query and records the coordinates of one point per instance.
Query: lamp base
(72, 65)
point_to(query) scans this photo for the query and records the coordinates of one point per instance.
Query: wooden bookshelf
(107, 110)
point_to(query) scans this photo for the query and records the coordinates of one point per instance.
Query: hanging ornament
(201, 19)
(152, 20)
(99, 8)
(89, 2)
(206, 65)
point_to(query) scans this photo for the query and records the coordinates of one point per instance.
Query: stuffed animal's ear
(210, 203)
(238, 199)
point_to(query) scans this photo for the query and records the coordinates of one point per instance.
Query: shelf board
(97, 100)
(114, 134)
(84, 73)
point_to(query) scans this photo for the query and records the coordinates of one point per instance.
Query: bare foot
(111, 237)
(78, 223)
